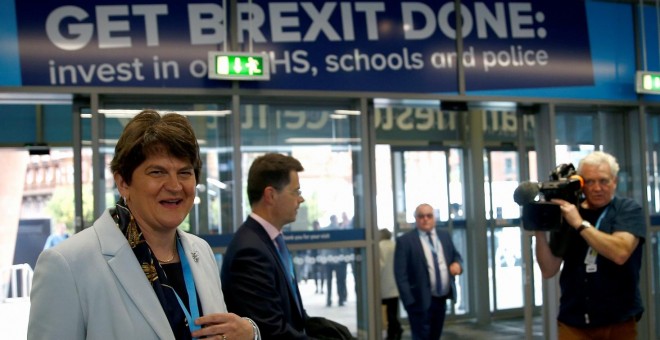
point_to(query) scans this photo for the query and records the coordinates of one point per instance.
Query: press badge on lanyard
(590, 259)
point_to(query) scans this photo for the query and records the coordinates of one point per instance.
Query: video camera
(542, 214)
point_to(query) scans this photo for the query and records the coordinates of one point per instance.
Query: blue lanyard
(600, 218)
(590, 258)
(190, 288)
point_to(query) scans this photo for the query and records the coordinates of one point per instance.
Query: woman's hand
(224, 326)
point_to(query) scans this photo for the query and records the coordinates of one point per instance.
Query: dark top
(611, 294)
(174, 272)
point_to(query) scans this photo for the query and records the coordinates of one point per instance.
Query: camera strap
(590, 259)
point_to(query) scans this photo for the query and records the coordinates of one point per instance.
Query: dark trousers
(392, 310)
(340, 275)
(318, 270)
(427, 325)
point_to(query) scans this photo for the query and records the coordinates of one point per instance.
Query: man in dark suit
(425, 263)
(257, 275)
(336, 265)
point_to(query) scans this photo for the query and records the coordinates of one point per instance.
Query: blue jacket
(411, 269)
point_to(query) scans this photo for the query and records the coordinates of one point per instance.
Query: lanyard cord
(600, 218)
(590, 258)
(193, 314)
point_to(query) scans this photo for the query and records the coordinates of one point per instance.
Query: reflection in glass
(212, 212)
(331, 283)
(653, 136)
(325, 139)
(319, 281)
(327, 147)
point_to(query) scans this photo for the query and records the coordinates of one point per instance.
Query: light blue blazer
(91, 286)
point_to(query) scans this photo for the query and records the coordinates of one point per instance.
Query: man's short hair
(597, 158)
(271, 169)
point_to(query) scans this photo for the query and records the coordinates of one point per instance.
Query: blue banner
(297, 237)
(317, 45)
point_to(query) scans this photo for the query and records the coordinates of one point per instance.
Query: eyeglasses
(602, 182)
(297, 193)
(421, 216)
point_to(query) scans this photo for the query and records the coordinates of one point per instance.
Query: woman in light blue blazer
(133, 274)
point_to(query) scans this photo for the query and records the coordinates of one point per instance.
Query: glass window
(504, 237)
(46, 215)
(609, 132)
(507, 268)
(212, 212)
(332, 284)
(413, 167)
(653, 166)
(46, 201)
(325, 139)
(653, 194)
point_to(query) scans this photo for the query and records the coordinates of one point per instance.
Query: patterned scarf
(152, 270)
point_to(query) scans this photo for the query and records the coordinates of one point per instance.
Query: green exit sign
(647, 82)
(238, 66)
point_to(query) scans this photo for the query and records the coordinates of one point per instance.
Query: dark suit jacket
(411, 273)
(255, 285)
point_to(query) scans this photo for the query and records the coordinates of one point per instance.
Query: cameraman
(600, 296)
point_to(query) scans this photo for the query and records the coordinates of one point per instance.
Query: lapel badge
(195, 255)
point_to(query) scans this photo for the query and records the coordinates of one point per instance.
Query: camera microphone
(526, 192)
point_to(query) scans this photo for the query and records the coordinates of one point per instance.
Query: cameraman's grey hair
(598, 158)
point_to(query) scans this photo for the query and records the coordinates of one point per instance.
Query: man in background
(389, 294)
(336, 265)
(58, 235)
(425, 263)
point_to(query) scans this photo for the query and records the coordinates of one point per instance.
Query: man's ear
(122, 186)
(269, 194)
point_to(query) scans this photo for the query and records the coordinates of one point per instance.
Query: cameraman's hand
(569, 212)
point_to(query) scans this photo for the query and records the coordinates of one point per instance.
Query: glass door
(425, 175)
(505, 265)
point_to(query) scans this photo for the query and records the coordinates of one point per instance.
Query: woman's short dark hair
(149, 133)
(271, 169)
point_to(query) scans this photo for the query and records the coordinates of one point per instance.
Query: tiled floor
(499, 329)
(507, 329)
(14, 325)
